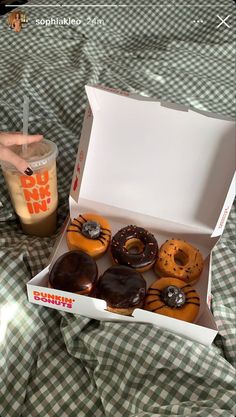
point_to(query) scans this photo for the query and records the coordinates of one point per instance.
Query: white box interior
(158, 161)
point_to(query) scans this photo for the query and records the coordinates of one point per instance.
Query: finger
(8, 156)
(8, 139)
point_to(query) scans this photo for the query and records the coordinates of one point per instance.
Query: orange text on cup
(36, 192)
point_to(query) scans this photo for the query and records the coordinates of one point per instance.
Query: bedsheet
(59, 364)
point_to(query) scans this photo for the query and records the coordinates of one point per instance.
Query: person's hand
(17, 138)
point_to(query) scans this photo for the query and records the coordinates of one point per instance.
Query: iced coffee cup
(35, 197)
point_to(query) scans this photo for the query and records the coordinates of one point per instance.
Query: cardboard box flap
(156, 160)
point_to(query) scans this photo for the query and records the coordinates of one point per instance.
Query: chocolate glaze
(121, 287)
(74, 271)
(135, 260)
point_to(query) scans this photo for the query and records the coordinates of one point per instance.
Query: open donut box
(157, 165)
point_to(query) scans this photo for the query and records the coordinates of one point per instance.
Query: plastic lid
(37, 155)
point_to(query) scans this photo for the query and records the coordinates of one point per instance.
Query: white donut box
(158, 165)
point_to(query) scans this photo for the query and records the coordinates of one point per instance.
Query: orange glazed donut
(179, 259)
(90, 233)
(174, 298)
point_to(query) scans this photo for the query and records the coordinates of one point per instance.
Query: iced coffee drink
(34, 197)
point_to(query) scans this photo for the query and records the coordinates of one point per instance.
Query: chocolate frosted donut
(123, 289)
(74, 271)
(135, 247)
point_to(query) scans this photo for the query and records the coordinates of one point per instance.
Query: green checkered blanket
(58, 364)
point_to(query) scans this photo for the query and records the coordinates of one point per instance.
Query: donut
(174, 298)
(179, 259)
(135, 247)
(90, 233)
(74, 271)
(122, 288)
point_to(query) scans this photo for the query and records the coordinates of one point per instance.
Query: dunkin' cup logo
(36, 192)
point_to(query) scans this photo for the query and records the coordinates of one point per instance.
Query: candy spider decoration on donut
(135, 247)
(174, 298)
(90, 233)
(179, 259)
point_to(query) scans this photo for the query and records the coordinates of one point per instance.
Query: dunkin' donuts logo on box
(53, 299)
(36, 192)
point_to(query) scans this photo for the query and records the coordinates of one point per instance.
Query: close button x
(223, 21)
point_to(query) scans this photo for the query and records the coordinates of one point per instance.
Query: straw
(25, 121)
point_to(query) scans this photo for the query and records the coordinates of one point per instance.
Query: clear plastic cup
(35, 197)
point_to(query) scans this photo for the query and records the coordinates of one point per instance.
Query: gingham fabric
(57, 364)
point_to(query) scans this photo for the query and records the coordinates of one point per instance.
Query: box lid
(163, 161)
